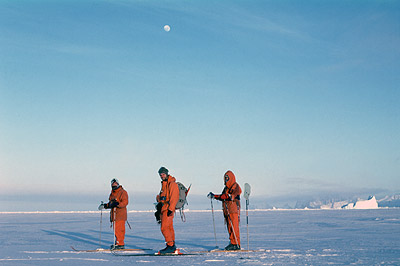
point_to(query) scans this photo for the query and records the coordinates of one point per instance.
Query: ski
(156, 254)
(227, 251)
(109, 250)
(176, 253)
(179, 253)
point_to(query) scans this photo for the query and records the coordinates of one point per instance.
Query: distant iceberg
(371, 203)
(390, 201)
(334, 205)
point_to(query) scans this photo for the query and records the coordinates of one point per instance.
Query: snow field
(293, 237)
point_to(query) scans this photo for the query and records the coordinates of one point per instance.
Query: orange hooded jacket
(230, 195)
(121, 196)
(169, 194)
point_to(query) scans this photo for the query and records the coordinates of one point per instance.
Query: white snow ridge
(371, 203)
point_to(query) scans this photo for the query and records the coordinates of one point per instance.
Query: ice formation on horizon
(371, 203)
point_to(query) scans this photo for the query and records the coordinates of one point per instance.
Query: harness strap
(182, 213)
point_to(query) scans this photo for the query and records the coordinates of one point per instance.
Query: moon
(167, 28)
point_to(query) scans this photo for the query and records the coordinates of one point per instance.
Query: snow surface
(291, 237)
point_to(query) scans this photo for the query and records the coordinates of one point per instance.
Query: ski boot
(232, 247)
(167, 250)
(116, 247)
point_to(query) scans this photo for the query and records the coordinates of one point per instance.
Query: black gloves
(157, 214)
(111, 204)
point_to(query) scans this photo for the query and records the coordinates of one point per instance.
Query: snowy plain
(283, 237)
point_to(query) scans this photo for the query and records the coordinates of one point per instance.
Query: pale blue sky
(292, 96)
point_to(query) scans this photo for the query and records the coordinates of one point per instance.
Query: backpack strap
(182, 213)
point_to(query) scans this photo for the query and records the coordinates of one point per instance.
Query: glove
(210, 195)
(101, 206)
(169, 213)
(157, 214)
(159, 206)
(113, 204)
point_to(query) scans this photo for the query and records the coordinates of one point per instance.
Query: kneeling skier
(230, 198)
(118, 200)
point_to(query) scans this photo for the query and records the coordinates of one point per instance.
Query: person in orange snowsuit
(230, 198)
(167, 199)
(118, 200)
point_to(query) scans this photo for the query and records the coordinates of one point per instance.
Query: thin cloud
(310, 182)
(250, 21)
(77, 49)
(311, 187)
(235, 16)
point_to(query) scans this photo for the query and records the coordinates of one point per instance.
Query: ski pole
(247, 223)
(101, 223)
(215, 234)
(114, 211)
(247, 192)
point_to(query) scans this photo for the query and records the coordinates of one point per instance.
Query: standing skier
(230, 198)
(167, 199)
(118, 201)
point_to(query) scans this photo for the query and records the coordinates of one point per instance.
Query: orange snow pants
(119, 232)
(233, 219)
(167, 228)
